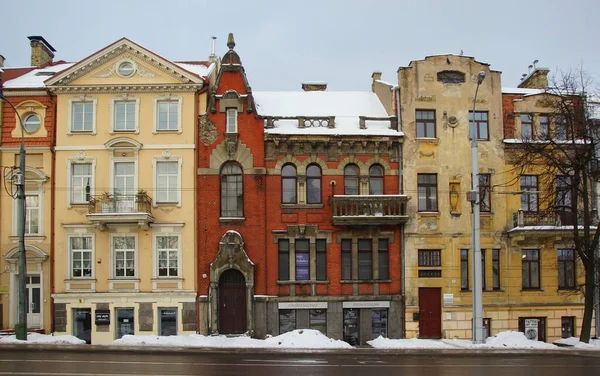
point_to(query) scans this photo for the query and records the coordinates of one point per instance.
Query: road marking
(305, 361)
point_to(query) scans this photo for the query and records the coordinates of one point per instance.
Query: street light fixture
(474, 197)
(19, 181)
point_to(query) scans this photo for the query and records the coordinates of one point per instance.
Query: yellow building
(125, 194)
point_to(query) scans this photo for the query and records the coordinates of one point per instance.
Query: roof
(199, 68)
(10, 73)
(346, 106)
(518, 90)
(35, 78)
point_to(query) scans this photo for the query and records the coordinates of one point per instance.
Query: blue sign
(302, 266)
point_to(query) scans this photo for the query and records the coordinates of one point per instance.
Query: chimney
(375, 76)
(314, 86)
(42, 52)
(2, 61)
(538, 79)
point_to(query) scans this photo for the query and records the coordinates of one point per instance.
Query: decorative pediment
(123, 143)
(32, 253)
(123, 59)
(232, 255)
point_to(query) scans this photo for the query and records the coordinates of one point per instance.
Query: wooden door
(430, 313)
(232, 302)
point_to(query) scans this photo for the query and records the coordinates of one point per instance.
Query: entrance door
(430, 313)
(33, 298)
(125, 321)
(232, 302)
(82, 324)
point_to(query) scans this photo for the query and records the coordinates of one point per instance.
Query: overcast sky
(282, 43)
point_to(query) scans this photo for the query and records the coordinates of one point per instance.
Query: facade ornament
(107, 73)
(364, 179)
(81, 155)
(144, 73)
(231, 147)
(207, 130)
(166, 154)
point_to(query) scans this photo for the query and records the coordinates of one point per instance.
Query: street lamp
(475, 227)
(18, 179)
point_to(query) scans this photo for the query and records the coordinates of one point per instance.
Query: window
(351, 180)
(317, 319)
(496, 269)
(379, 323)
(284, 259)
(481, 124)
(427, 192)
(567, 325)
(451, 77)
(376, 180)
(167, 182)
(32, 214)
(321, 246)
(313, 184)
(124, 256)
(485, 192)
(430, 257)
(231, 120)
(289, 185)
(168, 321)
(124, 117)
(346, 259)
(365, 257)
(560, 128)
(302, 260)
(32, 123)
(81, 256)
(232, 191)
(167, 116)
(464, 269)
(530, 268)
(124, 179)
(126, 69)
(167, 248)
(566, 269)
(287, 320)
(82, 116)
(125, 322)
(425, 120)
(383, 258)
(81, 178)
(526, 126)
(564, 199)
(529, 195)
(544, 130)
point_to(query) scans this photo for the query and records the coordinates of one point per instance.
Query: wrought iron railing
(363, 209)
(543, 218)
(120, 204)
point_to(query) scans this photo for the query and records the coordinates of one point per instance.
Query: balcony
(358, 210)
(118, 210)
(542, 219)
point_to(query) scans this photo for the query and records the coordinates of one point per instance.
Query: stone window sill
(310, 282)
(302, 206)
(365, 281)
(232, 219)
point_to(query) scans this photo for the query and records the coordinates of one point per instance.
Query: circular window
(32, 123)
(126, 69)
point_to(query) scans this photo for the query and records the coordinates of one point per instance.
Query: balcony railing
(542, 218)
(120, 209)
(369, 210)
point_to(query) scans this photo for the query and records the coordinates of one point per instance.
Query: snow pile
(298, 339)
(44, 339)
(409, 343)
(514, 340)
(574, 342)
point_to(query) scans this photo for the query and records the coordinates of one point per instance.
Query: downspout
(52, 215)
(401, 191)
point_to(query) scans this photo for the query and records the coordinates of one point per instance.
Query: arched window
(232, 190)
(32, 123)
(313, 184)
(289, 193)
(351, 180)
(376, 180)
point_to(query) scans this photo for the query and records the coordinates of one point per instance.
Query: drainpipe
(402, 241)
(52, 216)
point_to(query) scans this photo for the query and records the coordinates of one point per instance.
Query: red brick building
(300, 211)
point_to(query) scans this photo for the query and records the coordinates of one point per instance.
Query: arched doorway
(232, 302)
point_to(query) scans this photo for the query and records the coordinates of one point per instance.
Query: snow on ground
(503, 340)
(44, 339)
(298, 339)
(574, 342)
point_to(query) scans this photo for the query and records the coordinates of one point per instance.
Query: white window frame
(70, 162)
(136, 125)
(70, 255)
(228, 112)
(179, 162)
(28, 192)
(112, 171)
(113, 258)
(163, 232)
(28, 215)
(157, 101)
(74, 101)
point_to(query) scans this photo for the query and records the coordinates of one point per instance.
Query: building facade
(125, 197)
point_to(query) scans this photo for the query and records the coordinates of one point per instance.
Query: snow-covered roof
(199, 68)
(518, 90)
(345, 106)
(35, 79)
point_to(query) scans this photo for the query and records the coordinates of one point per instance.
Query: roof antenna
(534, 63)
(212, 49)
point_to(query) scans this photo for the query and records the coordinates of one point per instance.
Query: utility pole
(18, 179)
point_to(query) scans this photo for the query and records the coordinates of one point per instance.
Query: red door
(430, 313)
(232, 302)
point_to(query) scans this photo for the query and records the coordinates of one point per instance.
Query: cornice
(24, 93)
(15, 149)
(101, 89)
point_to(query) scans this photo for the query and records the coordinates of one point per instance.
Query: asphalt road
(96, 360)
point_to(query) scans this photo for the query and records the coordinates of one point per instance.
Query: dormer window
(231, 120)
(451, 77)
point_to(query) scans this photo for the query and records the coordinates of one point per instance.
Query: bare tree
(565, 158)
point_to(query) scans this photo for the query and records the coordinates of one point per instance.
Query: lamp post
(18, 179)
(474, 197)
